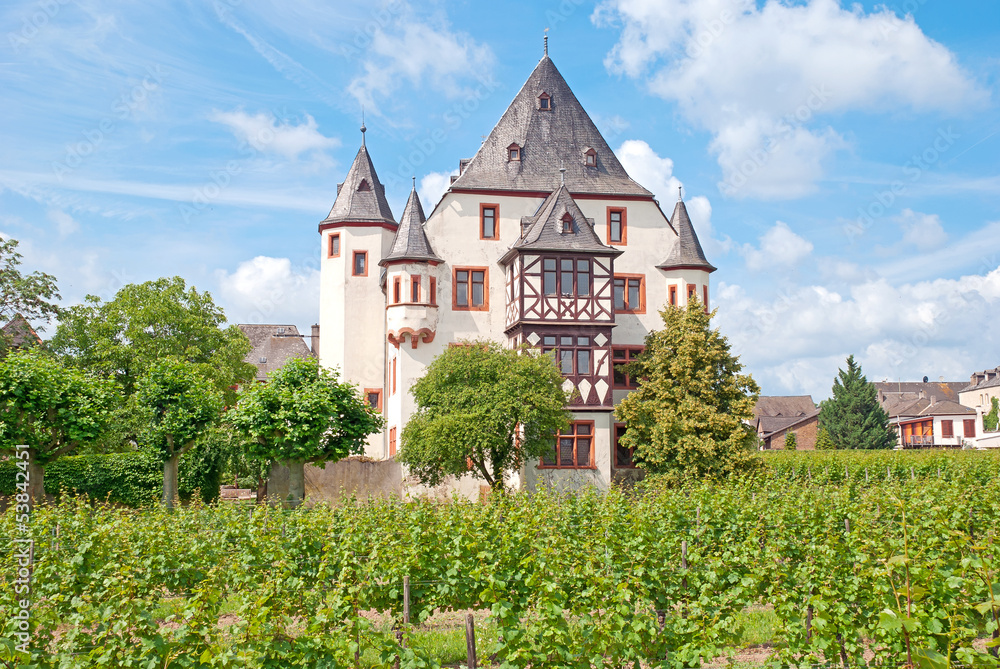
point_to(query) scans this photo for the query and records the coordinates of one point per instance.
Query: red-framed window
(572, 352)
(617, 226)
(567, 276)
(415, 289)
(432, 289)
(623, 456)
(969, 427)
(359, 264)
(392, 442)
(333, 246)
(373, 397)
(692, 292)
(573, 449)
(673, 296)
(947, 429)
(489, 221)
(397, 296)
(471, 289)
(619, 358)
(629, 293)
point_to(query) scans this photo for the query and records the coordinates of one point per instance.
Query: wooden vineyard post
(847, 525)
(684, 581)
(866, 476)
(470, 641)
(406, 600)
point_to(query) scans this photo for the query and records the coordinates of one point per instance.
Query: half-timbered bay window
(630, 293)
(470, 289)
(572, 353)
(573, 449)
(566, 276)
(619, 358)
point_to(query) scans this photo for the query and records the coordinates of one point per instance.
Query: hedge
(132, 479)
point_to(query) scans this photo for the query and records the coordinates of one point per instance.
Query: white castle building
(542, 238)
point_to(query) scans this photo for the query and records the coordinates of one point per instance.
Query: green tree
(304, 413)
(487, 405)
(791, 442)
(146, 322)
(991, 420)
(177, 406)
(50, 408)
(853, 416)
(823, 441)
(29, 295)
(691, 415)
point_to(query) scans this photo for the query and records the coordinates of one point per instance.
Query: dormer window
(513, 153)
(545, 102)
(281, 331)
(364, 185)
(567, 223)
(590, 158)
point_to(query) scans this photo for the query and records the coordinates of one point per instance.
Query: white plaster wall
(957, 427)
(572, 479)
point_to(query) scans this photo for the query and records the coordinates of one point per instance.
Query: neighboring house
(896, 394)
(542, 238)
(18, 334)
(274, 345)
(978, 395)
(776, 416)
(930, 423)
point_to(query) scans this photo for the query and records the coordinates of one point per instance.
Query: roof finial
(680, 195)
(562, 174)
(414, 182)
(363, 128)
(546, 41)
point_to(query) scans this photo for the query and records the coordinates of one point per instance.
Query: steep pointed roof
(361, 198)
(544, 230)
(687, 252)
(548, 138)
(411, 241)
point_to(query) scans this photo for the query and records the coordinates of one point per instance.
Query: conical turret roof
(558, 134)
(361, 198)
(687, 253)
(546, 231)
(411, 241)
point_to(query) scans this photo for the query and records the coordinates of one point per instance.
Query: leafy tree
(483, 410)
(178, 406)
(50, 408)
(30, 295)
(823, 441)
(791, 442)
(991, 420)
(304, 413)
(147, 322)
(691, 415)
(853, 416)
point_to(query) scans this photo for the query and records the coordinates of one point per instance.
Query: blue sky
(840, 161)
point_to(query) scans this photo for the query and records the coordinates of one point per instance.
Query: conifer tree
(853, 416)
(823, 441)
(791, 442)
(691, 415)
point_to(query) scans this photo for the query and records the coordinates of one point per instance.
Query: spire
(687, 253)
(364, 129)
(560, 132)
(546, 42)
(411, 241)
(361, 198)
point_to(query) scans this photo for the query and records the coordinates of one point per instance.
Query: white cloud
(432, 187)
(779, 247)
(656, 174)
(270, 290)
(794, 342)
(425, 55)
(758, 77)
(921, 230)
(65, 224)
(266, 134)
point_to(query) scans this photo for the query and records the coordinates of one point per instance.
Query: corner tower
(354, 238)
(686, 268)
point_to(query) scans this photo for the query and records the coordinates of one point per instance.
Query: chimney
(314, 340)
(933, 400)
(922, 394)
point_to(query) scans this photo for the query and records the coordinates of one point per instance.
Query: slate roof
(549, 139)
(275, 345)
(687, 252)
(19, 333)
(410, 242)
(353, 204)
(768, 425)
(784, 405)
(985, 383)
(543, 230)
(895, 396)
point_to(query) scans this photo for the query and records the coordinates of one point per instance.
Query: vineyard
(901, 569)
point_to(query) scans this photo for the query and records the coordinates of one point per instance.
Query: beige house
(978, 395)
